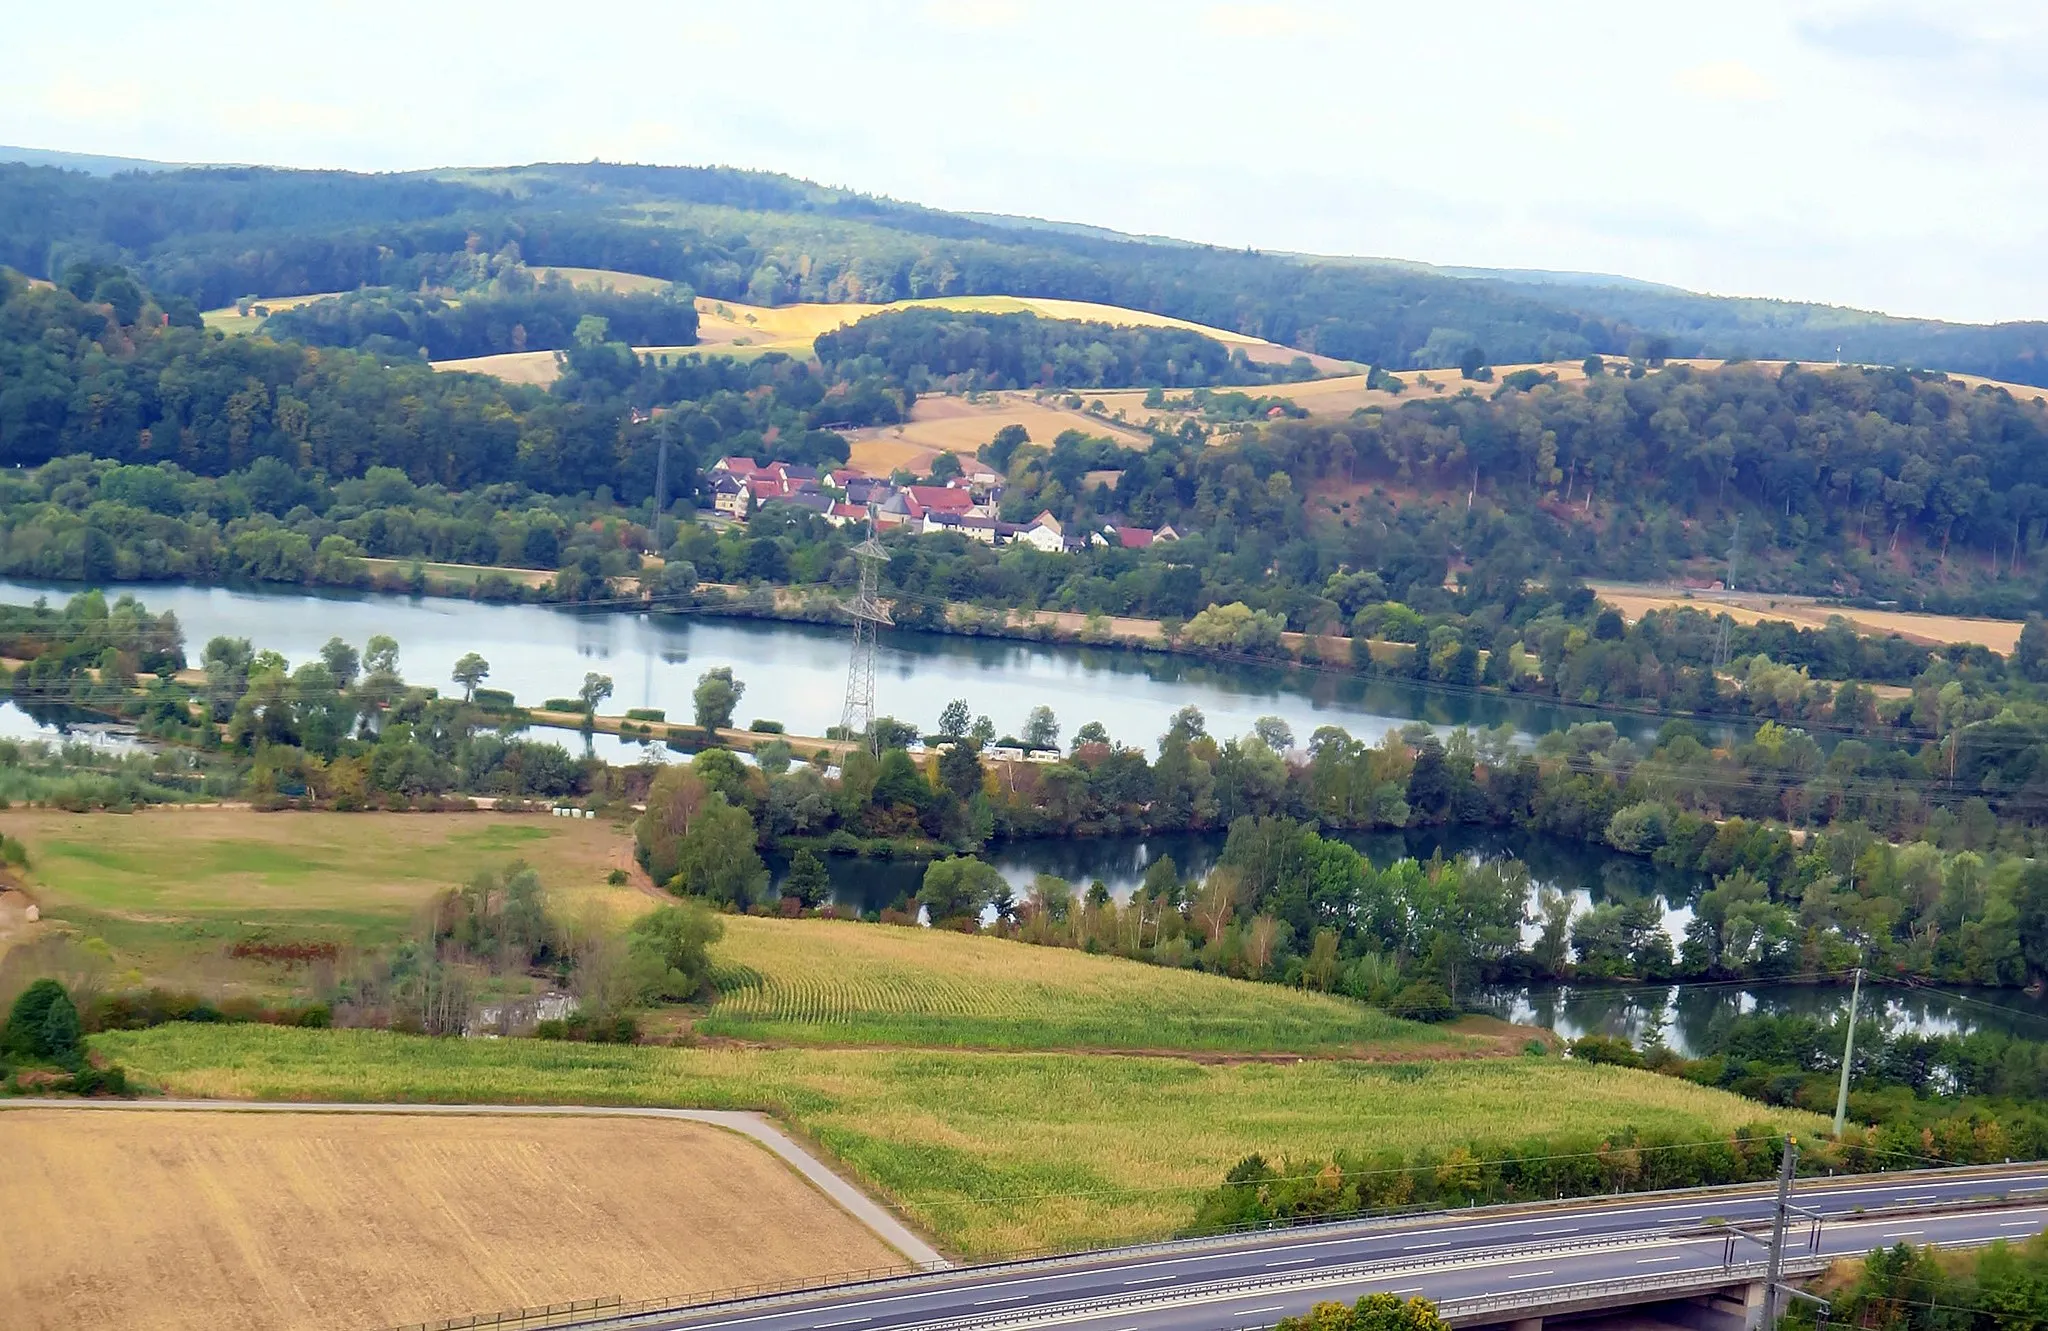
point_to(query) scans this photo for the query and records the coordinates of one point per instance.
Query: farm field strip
(992, 1153)
(836, 982)
(313, 1221)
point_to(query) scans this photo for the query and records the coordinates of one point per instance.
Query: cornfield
(836, 982)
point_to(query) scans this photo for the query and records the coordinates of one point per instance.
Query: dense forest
(219, 234)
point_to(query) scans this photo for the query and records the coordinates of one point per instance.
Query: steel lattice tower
(858, 716)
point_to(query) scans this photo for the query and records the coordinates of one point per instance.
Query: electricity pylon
(857, 718)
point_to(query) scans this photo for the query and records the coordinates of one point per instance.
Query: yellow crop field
(840, 982)
(991, 1153)
(2000, 635)
(232, 1221)
(603, 279)
(230, 320)
(956, 425)
(540, 368)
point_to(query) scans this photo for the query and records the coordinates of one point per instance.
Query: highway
(1253, 1280)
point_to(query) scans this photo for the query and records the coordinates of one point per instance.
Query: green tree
(958, 888)
(716, 695)
(678, 939)
(41, 1011)
(954, 719)
(807, 880)
(341, 661)
(717, 859)
(1041, 729)
(596, 688)
(469, 672)
(675, 799)
(960, 769)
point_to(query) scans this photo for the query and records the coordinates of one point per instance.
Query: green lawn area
(839, 982)
(991, 1153)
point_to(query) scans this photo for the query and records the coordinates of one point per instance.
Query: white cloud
(1816, 149)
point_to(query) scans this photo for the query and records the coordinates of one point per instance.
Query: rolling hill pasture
(837, 982)
(991, 1153)
(168, 892)
(305, 1222)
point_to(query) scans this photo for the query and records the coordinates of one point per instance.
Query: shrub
(43, 1025)
(1421, 1000)
(761, 727)
(495, 700)
(563, 705)
(646, 714)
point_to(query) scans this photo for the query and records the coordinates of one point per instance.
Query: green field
(838, 982)
(991, 1153)
(168, 891)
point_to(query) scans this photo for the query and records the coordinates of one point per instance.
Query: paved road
(1254, 1281)
(760, 1127)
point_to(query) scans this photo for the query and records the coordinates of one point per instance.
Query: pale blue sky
(1890, 156)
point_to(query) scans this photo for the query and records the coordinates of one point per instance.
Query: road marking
(1572, 1230)
(1151, 1280)
(1930, 1197)
(1901, 1233)
(1418, 1247)
(854, 1322)
(2019, 1224)
(1270, 1308)
(1295, 1261)
(1674, 1257)
(1014, 1298)
(1530, 1275)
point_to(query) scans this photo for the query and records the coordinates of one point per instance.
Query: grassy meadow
(168, 890)
(838, 982)
(990, 1153)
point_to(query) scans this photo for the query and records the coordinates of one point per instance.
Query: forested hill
(217, 235)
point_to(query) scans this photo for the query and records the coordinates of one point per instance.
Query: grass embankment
(310, 1222)
(837, 982)
(169, 891)
(991, 1153)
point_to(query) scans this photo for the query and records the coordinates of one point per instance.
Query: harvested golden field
(991, 1153)
(955, 425)
(840, 982)
(540, 368)
(1634, 601)
(310, 1221)
(603, 279)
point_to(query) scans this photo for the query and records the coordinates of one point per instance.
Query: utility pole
(660, 483)
(1848, 1054)
(1776, 1268)
(1728, 620)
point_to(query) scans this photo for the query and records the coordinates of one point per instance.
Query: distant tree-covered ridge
(218, 234)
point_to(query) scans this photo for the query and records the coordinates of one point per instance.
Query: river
(796, 673)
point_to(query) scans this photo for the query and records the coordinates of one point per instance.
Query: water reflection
(795, 673)
(1690, 1018)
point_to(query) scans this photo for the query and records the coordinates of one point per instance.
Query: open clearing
(942, 424)
(229, 319)
(1636, 600)
(169, 890)
(839, 982)
(259, 1221)
(990, 1153)
(728, 327)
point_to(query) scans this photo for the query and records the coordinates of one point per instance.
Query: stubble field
(304, 1222)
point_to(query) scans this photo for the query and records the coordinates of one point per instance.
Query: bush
(495, 700)
(1610, 1049)
(646, 714)
(1421, 1000)
(580, 1028)
(563, 705)
(760, 727)
(43, 1025)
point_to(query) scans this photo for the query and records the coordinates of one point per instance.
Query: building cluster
(968, 504)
